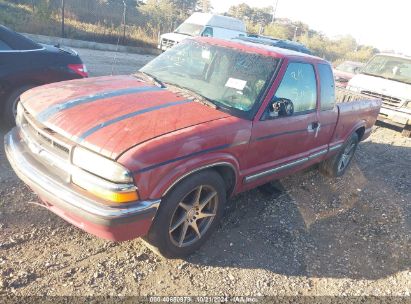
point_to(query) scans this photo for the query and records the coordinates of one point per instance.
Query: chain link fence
(126, 22)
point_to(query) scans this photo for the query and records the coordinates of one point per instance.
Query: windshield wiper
(197, 97)
(153, 79)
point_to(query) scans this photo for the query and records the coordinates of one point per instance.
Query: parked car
(388, 76)
(158, 153)
(25, 64)
(281, 43)
(345, 71)
(206, 25)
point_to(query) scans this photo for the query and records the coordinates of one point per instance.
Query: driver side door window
(280, 143)
(297, 93)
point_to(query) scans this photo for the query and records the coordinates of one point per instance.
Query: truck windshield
(389, 67)
(189, 29)
(227, 77)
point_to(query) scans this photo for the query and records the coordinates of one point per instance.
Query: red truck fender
(359, 128)
(226, 164)
(341, 134)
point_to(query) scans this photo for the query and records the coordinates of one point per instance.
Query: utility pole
(124, 21)
(295, 33)
(274, 10)
(62, 18)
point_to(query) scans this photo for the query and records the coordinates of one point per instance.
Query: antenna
(118, 40)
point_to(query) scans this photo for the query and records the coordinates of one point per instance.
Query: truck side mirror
(281, 107)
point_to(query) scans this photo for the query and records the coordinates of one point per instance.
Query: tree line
(145, 19)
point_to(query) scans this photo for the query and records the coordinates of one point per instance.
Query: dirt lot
(319, 236)
(105, 63)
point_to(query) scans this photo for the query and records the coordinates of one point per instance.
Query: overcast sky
(383, 24)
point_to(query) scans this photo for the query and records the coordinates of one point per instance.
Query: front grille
(167, 43)
(46, 138)
(388, 100)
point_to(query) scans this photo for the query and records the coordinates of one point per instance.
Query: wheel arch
(225, 169)
(358, 128)
(360, 132)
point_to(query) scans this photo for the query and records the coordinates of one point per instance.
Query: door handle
(314, 127)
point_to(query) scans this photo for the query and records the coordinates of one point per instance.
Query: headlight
(354, 89)
(101, 166)
(114, 182)
(19, 114)
(341, 79)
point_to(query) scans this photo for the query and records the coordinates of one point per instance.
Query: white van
(202, 24)
(388, 76)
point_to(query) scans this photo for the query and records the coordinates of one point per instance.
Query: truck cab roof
(263, 49)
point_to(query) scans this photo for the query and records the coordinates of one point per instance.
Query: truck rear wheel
(406, 132)
(338, 164)
(188, 215)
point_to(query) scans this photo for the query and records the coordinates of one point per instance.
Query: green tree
(204, 6)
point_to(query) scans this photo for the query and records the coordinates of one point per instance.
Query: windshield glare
(228, 77)
(389, 67)
(189, 29)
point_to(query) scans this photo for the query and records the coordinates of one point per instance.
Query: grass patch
(22, 18)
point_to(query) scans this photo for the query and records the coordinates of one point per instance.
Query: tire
(9, 114)
(178, 214)
(406, 132)
(338, 164)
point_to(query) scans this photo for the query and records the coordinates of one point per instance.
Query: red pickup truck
(157, 154)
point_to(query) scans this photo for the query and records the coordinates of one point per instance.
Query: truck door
(283, 141)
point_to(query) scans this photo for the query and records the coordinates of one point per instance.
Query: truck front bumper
(121, 223)
(395, 117)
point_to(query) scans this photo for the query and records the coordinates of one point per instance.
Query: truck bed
(355, 110)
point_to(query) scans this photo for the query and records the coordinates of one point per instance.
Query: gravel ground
(106, 63)
(317, 236)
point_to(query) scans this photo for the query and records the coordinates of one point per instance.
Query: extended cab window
(208, 32)
(299, 86)
(327, 87)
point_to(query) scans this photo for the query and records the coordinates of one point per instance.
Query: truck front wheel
(188, 215)
(338, 164)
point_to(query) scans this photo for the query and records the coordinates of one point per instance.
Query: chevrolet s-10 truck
(158, 153)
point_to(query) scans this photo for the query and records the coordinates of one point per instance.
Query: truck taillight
(79, 69)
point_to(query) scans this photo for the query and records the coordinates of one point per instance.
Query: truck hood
(381, 86)
(109, 115)
(175, 37)
(344, 75)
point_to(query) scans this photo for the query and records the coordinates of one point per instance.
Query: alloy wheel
(193, 216)
(346, 156)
